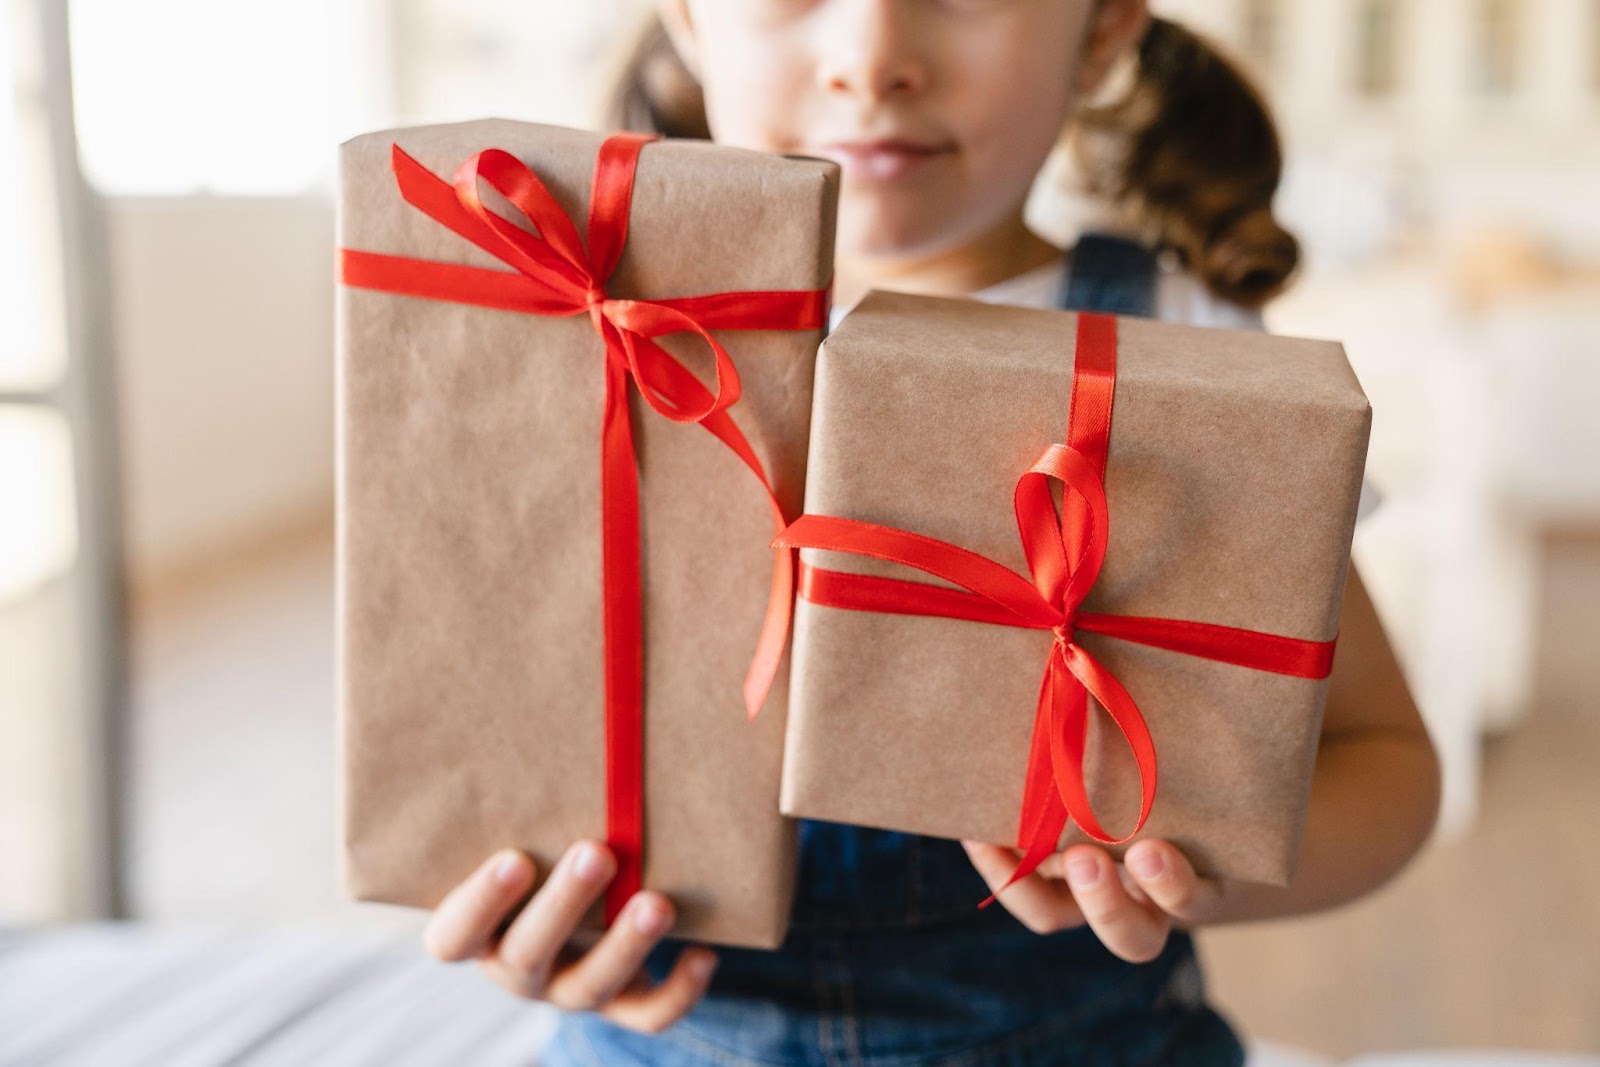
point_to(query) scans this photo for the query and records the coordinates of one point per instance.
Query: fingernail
(701, 966)
(650, 918)
(1083, 870)
(1147, 863)
(508, 869)
(589, 864)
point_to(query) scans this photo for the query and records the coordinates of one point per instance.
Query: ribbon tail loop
(1070, 738)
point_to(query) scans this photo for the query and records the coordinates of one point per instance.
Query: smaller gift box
(1067, 577)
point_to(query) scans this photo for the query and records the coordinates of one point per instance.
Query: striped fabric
(130, 995)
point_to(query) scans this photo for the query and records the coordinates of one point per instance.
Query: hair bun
(1251, 259)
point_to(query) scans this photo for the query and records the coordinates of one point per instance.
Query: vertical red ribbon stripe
(1064, 551)
(555, 274)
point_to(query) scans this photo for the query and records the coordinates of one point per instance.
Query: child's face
(941, 112)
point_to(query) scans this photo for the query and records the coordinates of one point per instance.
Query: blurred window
(240, 98)
(1499, 42)
(32, 349)
(38, 534)
(1377, 48)
(62, 697)
(39, 539)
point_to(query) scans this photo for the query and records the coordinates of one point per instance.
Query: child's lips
(883, 160)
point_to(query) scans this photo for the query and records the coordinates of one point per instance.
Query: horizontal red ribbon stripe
(1225, 644)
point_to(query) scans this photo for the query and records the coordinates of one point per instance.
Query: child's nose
(869, 48)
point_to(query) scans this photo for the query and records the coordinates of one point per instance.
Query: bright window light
(38, 517)
(31, 353)
(176, 97)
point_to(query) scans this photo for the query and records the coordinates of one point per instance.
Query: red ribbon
(554, 275)
(1064, 552)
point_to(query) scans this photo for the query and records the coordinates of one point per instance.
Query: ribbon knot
(1065, 550)
(574, 275)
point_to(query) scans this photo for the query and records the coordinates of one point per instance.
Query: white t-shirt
(1180, 298)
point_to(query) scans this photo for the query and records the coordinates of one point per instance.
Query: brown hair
(1190, 151)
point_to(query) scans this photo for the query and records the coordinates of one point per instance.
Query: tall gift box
(575, 377)
(1066, 576)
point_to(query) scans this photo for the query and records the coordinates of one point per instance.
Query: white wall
(223, 319)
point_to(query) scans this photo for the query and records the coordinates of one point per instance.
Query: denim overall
(889, 963)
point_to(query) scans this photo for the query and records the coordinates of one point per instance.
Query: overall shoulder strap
(1110, 274)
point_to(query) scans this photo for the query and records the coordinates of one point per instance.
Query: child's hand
(527, 945)
(1131, 906)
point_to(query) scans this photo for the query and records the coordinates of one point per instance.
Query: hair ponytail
(1191, 152)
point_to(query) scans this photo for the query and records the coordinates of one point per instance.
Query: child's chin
(890, 239)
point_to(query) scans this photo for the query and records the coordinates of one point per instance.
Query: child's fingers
(529, 949)
(653, 1010)
(615, 961)
(1133, 931)
(1042, 906)
(466, 920)
(1166, 876)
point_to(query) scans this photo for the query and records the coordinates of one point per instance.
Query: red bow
(556, 276)
(1064, 552)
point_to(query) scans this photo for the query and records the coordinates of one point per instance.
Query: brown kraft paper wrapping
(469, 578)
(1234, 472)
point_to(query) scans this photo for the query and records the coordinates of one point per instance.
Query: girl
(941, 113)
